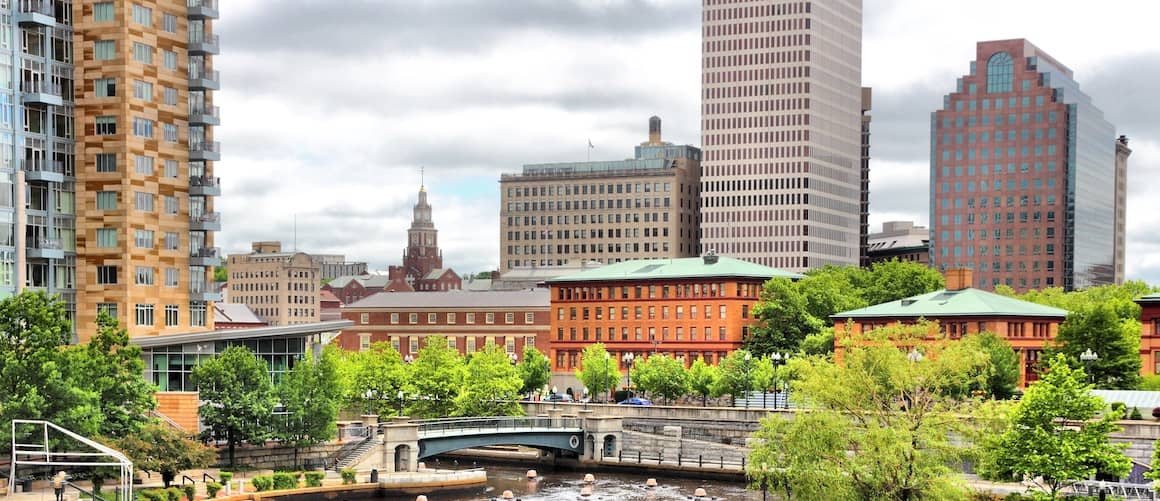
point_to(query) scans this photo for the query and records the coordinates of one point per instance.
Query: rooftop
(691, 267)
(235, 313)
(455, 299)
(295, 330)
(1150, 298)
(958, 303)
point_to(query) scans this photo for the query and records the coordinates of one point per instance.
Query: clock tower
(422, 253)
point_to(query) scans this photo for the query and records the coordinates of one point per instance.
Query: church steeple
(422, 254)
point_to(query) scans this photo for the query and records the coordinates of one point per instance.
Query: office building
(282, 288)
(900, 240)
(564, 214)
(1023, 173)
(332, 266)
(864, 219)
(782, 129)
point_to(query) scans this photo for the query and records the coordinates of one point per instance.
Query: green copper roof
(692, 267)
(960, 303)
(1150, 298)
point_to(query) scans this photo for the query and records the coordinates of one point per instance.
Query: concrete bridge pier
(400, 445)
(603, 436)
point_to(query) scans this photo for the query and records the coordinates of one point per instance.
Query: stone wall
(668, 445)
(277, 456)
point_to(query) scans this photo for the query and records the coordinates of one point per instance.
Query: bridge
(401, 443)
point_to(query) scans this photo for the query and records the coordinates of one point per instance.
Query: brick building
(349, 289)
(691, 307)
(469, 320)
(1150, 334)
(900, 240)
(960, 310)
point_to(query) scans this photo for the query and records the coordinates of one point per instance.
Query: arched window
(999, 73)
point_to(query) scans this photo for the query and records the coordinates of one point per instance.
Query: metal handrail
(41, 86)
(214, 146)
(206, 476)
(195, 73)
(209, 181)
(66, 484)
(197, 37)
(45, 243)
(497, 423)
(209, 111)
(203, 3)
(36, 7)
(207, 217)
(205, 252)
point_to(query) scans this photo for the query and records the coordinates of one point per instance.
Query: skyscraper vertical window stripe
(999, 72)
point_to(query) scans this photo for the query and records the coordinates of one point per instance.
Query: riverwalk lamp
(1089, 356)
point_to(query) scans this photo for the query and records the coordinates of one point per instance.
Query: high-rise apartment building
(864, 205)
(781, 105)
(281, 288)
(1023, 175)
(565, 214)
(110, 198)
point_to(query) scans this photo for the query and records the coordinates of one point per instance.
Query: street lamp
(604, 375)
(779, 359)
(408, 359)
(748, 357)
(1089, 356)
(628, 357)
(400, 395)
(914, 355)
(513, 358)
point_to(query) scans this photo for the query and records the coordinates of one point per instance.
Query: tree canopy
(310, 395)
(491, 385)
(159, 448)
(660, 375)
(702, 379)
(373, 378)
(599, 372)
(535, 370)
(237, 397)
(436, 378)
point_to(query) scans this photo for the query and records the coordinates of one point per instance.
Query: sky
(331, 110)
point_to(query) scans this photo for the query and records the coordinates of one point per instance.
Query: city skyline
(472, 92)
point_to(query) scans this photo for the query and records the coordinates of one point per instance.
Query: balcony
(205, 115)
(35, 12)
(199, 291)
(41, 92)
(200, 79)
(205, 150)
(39, 169)
(205, 185)
(205, 256)
(45, 248)
(201, 44)
(202, 9)
(210, 221)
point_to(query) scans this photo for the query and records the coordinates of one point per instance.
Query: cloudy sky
(330, 108)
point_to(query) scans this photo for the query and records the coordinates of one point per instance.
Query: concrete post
(400, 436)
(555, 413)
(602, 428)
(671, 443)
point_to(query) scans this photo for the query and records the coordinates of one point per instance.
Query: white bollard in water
(650, 483)
(700, 493)
(589, 478)
(532, 474)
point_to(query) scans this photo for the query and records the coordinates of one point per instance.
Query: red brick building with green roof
(961, 310)
(1150, 334)
(690, 307)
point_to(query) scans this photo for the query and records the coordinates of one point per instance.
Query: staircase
(351, 457)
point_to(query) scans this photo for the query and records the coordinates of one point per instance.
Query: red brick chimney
(958, 279)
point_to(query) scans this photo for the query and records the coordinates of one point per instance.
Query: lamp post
(513, 358)
(748, 357)
(1089, 356)
(604, 376)
(914, 355)
(400, 395)
(628, 357)
(780, 359)
(408, 359)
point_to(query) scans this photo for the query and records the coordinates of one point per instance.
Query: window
(394, 318)
(413, 318)
(143, 164)
(106, 275)
(106, 237)
(510, 318)
(143, 201)
(106, 162)
(171, 240)
(531, 317)
(142, 90)
(106, 200)
(364, 342)
(142, 127)
(170, 315)
(432, 318)
(105, 87)
(470, 345)
(102, 12)
(169, 131)
(471, 318)
(197, 314)
(144, 314)
(104, 49)
(143, 239)
(168, 23)
(413, 345)
(170, 205)
(999, 72)
(142, 53)
(723, 310)
(143, 275)
(106, 126)
(110, 308)
(142, 15)
(364, 318)
(171, 277)
(395, 344)
(169, 59)
(450, 318)
(169, 95)
(490, 318)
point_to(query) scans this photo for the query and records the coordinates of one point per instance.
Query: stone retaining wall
(275, 456)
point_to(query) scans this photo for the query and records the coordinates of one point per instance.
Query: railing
(206, 477)
(36, 7)
(205, 252)
(197, 72)
(41, 165)
(1119, 490)
(41, 86)
(212, 146)
(496, 424)
(704, 461)
(67, 485)
(208, 217)
(212, 4)
(200, 288)
(195, 37)
(206, 181)
(45, 243)
(209, 111)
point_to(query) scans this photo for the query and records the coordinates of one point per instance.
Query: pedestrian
(58, 485)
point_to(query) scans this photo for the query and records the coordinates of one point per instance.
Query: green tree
(599, 372)
(220, 274)
(663, 376)
(34, 373)
(310, 395)
(237, 397)
(374, 378)
(783, 319)
(1000, 377)
(889, 407)
(702, 379)
(893, 280)
(736, 374)
(113, 370)
(159, 448)
(1116, 340)
(1056, 435)
(436, 379)
(491, 385)
(535, 370)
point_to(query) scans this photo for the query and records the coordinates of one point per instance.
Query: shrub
(173, 493)
(314, 478)
(154, 495)
(226, 477)
(984, 496)
(212, 488)
(348, 476)
(190, 491)
(283, 481)
(1135, 414)
(1156, 412)
(1119, 406)
(262, 483)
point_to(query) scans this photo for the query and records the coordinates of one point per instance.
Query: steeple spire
(422, 181)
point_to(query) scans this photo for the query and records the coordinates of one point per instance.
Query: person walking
(58, 485)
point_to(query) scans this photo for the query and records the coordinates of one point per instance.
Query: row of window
(631, 217)
(571, 359)
(703, 289)
(144, 315)
(611, 203)
(985, 136)
(144, 275)
(590, 248)
(451, 318)
(106, 125)
(586, 189)
(997, 234)
(985, 217)
(638, 312)
(470, 343)
(107, 87)
(104, 12)
(638, 334)
(142, 239)
(1011, 151)
(585, 234)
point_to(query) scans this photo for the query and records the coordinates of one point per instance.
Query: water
(565, 486)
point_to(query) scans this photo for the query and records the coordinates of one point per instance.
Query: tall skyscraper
(1023, 175)
(110, 201)
(781, 104)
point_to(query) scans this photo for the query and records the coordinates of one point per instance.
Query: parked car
(559, 397)
(635, 401)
